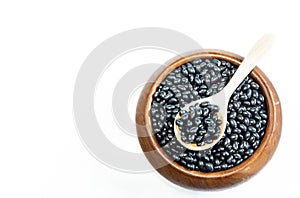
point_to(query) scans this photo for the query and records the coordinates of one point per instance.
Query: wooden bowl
(207, 180)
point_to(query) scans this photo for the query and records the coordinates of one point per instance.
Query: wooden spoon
(221, 99)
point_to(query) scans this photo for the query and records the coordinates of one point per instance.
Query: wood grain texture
(196, 179)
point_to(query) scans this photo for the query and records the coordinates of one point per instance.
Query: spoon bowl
(222, 114)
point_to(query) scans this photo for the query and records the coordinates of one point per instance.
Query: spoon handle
(249, 62)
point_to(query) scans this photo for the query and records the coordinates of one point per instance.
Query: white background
(42, 46)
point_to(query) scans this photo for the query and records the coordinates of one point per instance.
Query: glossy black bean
(246, 121)
(256, 135)
(198, 81)
(252, 121)
(263, 115)
(237, 130)
(249, 151)
(230, 159)
(232, 115)
(190, 68)
(246, 103)
(243, 97)
(254, 85)
(217, 162)
(236, 145)
(209, 167)
(185, 72)
(204, 104)
(240, 117)
(233, 123)
(253, 101)
(256, 143)
(252, 139)
(226, 141)
(261, 98)
(255, 93)
(234, 137)
(237, 156)
(247, 135)
(252, 129)
(249, 93)
(246, 87)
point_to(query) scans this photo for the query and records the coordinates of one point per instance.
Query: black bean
(253, 101)
(204, 104)
(191, 166)
(252, 139)
(201, 163)
(179, 122)
(175, 157)
(209, 167)
(193, 129)
(263, 122)
(232, 115)
(243, 97)
(261, 98)
(226, 141)
(256, 135)
(173, 101)
(255, 93)
(191, 78)
(256, 143)
(224, 166)
(228, 130)
(263, 115)
(184, 116)
(230, 159)
(249, 151)
(205, 112)
(246, 87)
(246, 121)
(181, 87)
(254, 85)
(249, 93)
(206, 158)
(252, 129)
(247, 135)
(225, 153)
(237, 156)
(217, 162)
(247, 114)
(198, 81)
(243, 127)
(234, 136)
(190, 68)
(252, 121)
(240, 117)
(245, 144)
(246, 103)
(237, 130)
(236, 97)
(185, 72)
(236, 145)
(233, 123)
(237, 104)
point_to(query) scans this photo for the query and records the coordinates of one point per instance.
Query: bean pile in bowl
(252, 114)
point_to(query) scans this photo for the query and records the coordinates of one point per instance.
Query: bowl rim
(252, 164)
